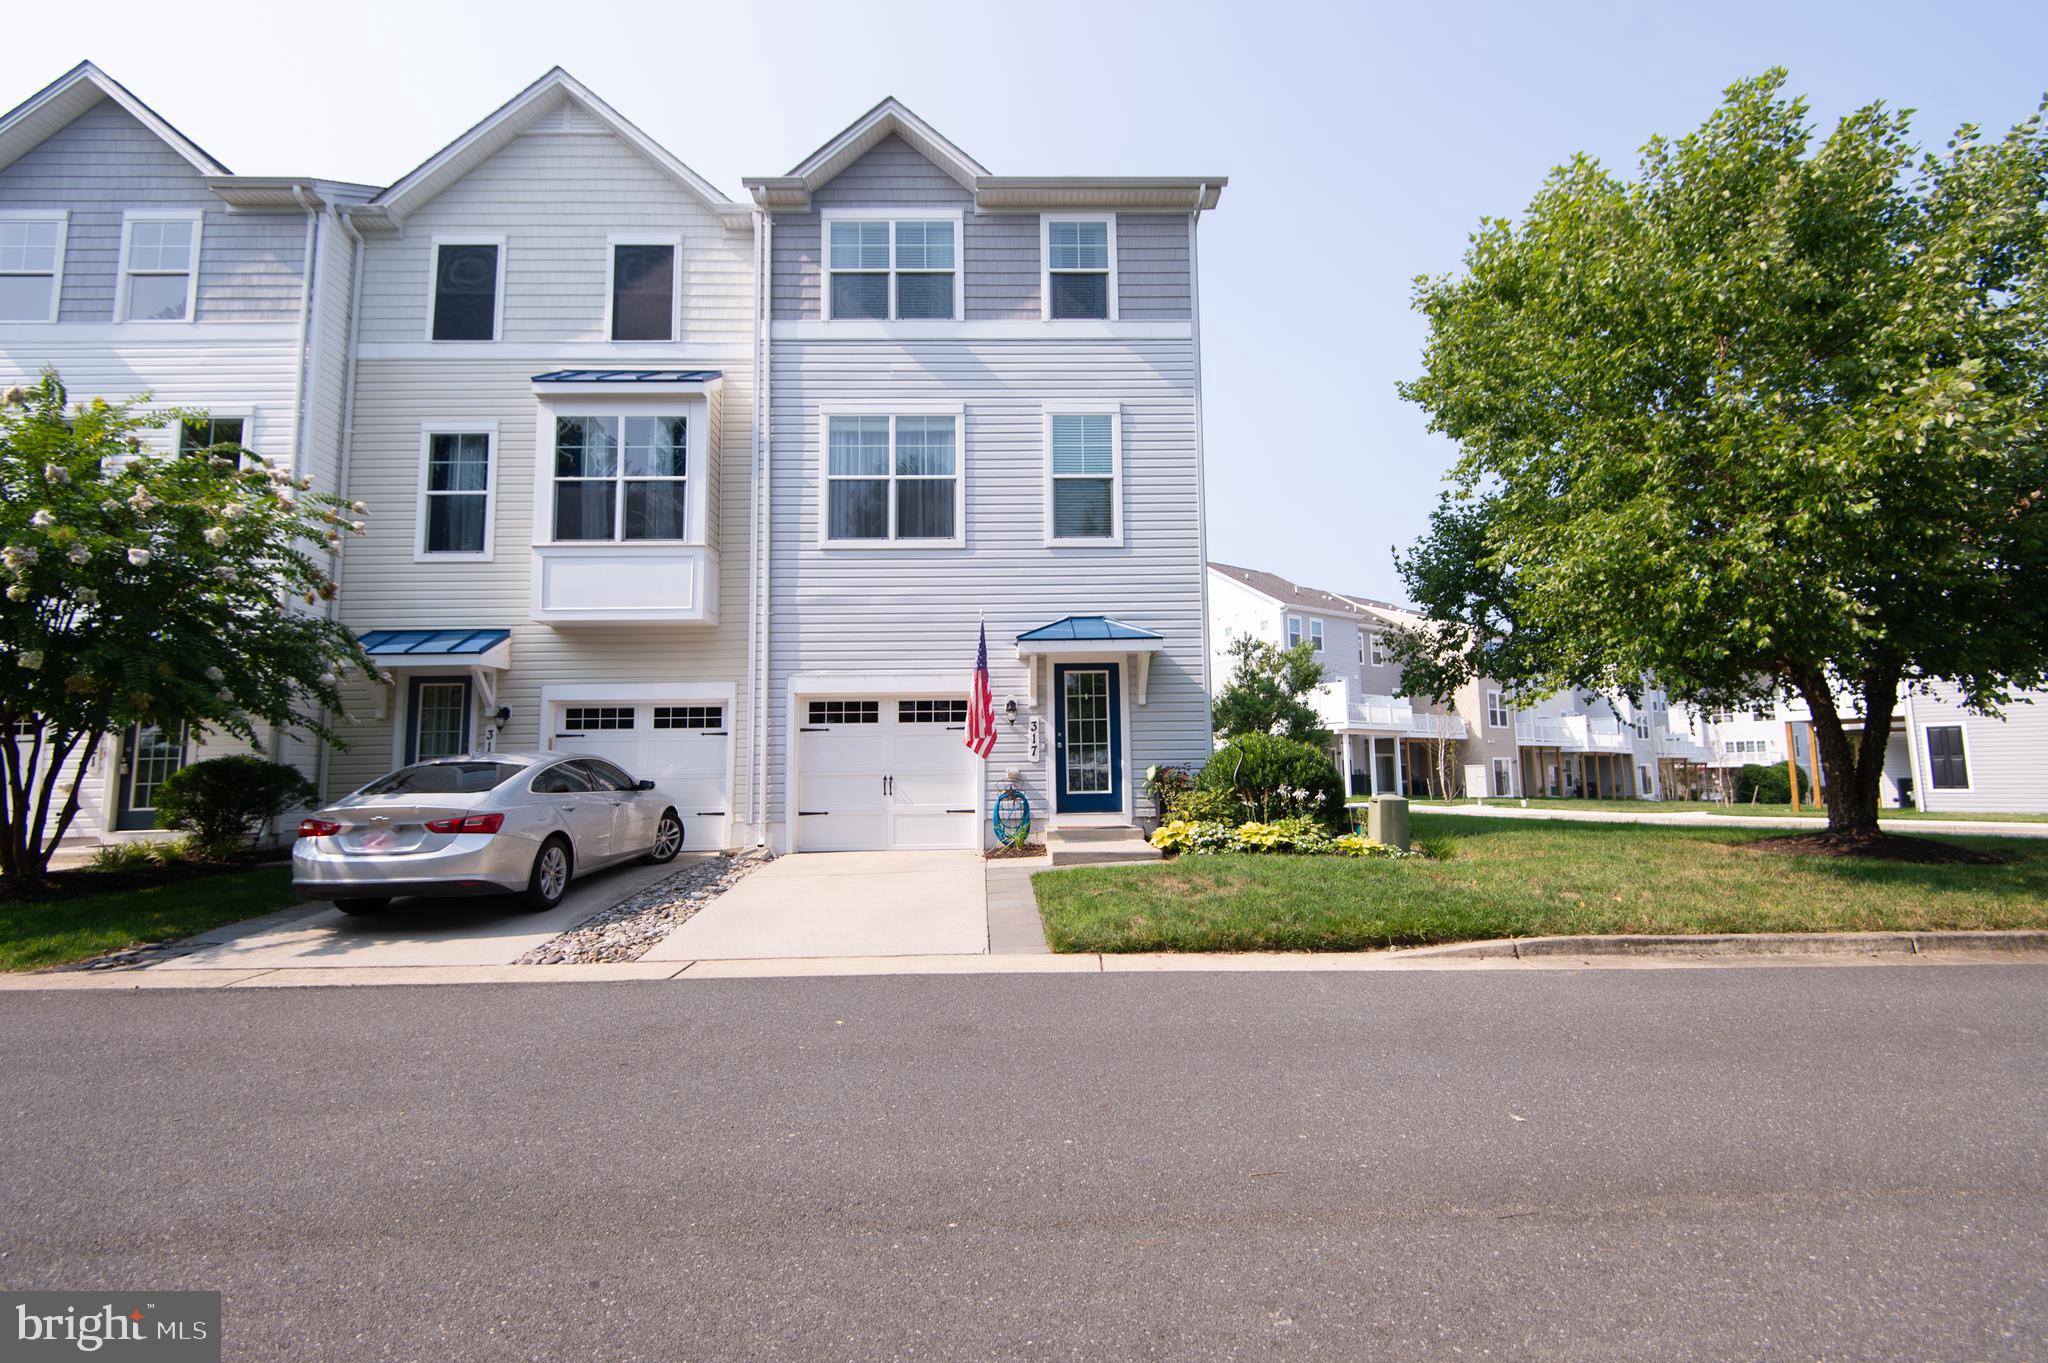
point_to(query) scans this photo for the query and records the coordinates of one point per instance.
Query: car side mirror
(644, 785)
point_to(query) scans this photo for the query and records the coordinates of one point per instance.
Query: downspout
(1201, 463)
(299, 404)
(1913, 752)
(764, 358)
(348, 407)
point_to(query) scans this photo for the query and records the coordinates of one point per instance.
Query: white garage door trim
(888, 688)
(553, 698)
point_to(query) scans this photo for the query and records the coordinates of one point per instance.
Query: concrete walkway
(1699, 819)
(865, 904)
(419, 932)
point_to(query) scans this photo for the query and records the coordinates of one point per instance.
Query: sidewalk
(1696, 819)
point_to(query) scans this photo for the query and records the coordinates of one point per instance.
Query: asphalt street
(1778, 1163)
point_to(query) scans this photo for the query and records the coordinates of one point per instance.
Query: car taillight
(318, 828)
(471, 823)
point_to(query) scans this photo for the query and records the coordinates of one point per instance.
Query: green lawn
(36, 933)
(1510, 878)
(1711, 807)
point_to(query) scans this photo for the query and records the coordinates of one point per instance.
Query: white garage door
(685, 748)
(884, 772)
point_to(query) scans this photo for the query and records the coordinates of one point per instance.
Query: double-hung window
(1084, 476)
(198, 434)
(892, 269)
(643, 291)
(1496, 710)
(1315, 635)
(621, 477)
(159, 267)
(1379, 649)
(468, 296)
(31, 266)
(1080, 267)
(1293, 631)
(457, 473)
(893, 479)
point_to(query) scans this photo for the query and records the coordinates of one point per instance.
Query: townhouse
(552, 421)
(1474, 743)
(132, 261)
(982, 412)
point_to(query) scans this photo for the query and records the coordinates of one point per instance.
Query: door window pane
(1086, 700)
(439, 719)
(466, 293)
(156, 756)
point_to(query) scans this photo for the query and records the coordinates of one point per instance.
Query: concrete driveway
(842, 904)
(493, 931)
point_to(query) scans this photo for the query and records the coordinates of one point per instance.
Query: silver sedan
(490, 823)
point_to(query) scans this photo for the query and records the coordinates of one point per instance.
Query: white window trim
(195, 216)
(62, 217)
(891, 409)
(1294, 630)
(216, 412)
(434, 246)
(1045, 221)
(488, 428)
(907, 213)
(696, 472)
(1115, 413)
(1497, 704)
(1379, 648)
(611, 266)
(1315, 633)
(1969, 759)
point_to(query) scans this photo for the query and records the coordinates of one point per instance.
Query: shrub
(140, 854)
(223, 800)
(1769, 785)
(1206, 806)
(1189, 835)
(1277, 778)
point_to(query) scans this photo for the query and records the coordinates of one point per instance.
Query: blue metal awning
(1086, 629)
(462, 644)
(629, 376)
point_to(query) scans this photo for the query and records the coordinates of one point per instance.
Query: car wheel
(362, 908)
(550, 878)
(668, 839)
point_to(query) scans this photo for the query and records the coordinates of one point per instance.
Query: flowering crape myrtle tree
(151, 590)
(1766, 420)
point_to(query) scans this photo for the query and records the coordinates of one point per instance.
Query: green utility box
(1386, 820)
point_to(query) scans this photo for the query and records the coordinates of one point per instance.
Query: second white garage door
(684, 748)
(884, 772)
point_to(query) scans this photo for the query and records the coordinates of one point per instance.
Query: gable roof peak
(890, 117)
(55, 106)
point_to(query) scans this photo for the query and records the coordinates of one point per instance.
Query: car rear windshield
(444, 778)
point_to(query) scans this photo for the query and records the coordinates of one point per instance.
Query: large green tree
(150, 590)
(1268, 693)
(1764, 420)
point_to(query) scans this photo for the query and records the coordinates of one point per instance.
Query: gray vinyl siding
(1000, 251)
(1152, 267)
(556, 198)
(104, 163)
(917, 610)
(2007, 757)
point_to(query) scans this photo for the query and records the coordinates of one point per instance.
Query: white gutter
(762, 651)
(299, 404)
(1913, 752)
(1201, 464)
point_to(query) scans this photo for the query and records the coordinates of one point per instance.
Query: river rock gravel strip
(628, 928)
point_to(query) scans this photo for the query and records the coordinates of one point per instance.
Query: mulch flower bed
(1878, 847)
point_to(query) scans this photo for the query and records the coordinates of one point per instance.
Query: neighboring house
(553, 424)
(132, 261)
(1386, 743)
(984, 408)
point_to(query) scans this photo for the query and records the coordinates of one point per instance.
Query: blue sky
(1362, 142)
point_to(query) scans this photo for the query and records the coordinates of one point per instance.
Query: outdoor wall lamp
(502, 716)
(1010, 710)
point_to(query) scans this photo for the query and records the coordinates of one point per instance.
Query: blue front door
(1088, 740)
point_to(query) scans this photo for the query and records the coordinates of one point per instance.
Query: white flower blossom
(110, 505)
(233, 511)
(221, 461)
(141, 500)
(79, 554)
(32, 660)
(18, 556)
(139, 557)
(328, 679)
(15, 396)
(18, 592)
(56, 473)
(359, 527)
(334, 537)
(360, 508)
(43, 519)
(215, 675)
(215, 536)
(303, 484)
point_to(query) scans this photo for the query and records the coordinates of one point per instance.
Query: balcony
(1574, 733)
(1346, 709)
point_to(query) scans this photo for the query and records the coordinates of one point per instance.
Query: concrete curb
(1722, 951)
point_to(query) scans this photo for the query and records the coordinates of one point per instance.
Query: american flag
(981, 711)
